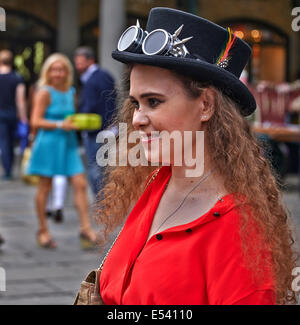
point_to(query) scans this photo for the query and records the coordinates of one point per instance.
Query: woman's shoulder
(53, 92)
(235, 217)
(229, 213)
(233, 205)
(43, 92)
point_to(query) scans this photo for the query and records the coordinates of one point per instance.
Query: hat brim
(199, 70)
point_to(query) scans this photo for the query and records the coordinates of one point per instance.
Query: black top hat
(212, 55)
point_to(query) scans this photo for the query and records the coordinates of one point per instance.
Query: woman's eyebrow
(147, 95)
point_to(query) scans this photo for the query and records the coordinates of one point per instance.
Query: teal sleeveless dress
(56, 151)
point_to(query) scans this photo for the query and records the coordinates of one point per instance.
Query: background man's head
(6, 58)
(83, 57)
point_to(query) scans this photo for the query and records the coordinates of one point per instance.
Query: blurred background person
(55, 148)
(1, 240)
(12, 108)
(56, 198)
(97, 96)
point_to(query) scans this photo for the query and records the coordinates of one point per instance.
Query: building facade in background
(34, 29)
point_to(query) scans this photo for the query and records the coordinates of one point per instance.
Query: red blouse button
(159, 237)
(216, 214)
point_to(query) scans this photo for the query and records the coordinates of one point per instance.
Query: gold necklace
(182, 202)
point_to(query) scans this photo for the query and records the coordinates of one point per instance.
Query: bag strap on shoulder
(149, 179)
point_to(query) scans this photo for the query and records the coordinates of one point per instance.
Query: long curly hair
(237, 155)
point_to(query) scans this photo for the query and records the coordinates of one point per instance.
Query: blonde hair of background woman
(44, 74)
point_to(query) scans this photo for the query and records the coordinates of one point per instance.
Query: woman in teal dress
(55, 150)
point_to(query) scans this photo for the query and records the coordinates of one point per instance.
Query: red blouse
(199, 263)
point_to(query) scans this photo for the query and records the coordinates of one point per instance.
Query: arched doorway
(30, 39)
(270, 46)
(89, 35)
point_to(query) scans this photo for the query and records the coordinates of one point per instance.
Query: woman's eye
(153, 102)
(135, 104)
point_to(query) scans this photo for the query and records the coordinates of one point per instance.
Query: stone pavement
(38, 276)
(35, 275)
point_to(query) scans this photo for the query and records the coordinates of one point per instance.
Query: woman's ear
(208, 103)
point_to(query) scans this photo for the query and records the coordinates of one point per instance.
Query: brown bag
(89, 292)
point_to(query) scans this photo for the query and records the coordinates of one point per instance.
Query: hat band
(158, 42)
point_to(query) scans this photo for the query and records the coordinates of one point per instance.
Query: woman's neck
(211, 186)
(214, 182)
(59, 87)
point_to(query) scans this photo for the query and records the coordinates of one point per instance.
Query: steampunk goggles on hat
(158, 42)
(214, 54)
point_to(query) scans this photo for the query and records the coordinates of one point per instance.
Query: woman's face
(58, 74)
(161, 104)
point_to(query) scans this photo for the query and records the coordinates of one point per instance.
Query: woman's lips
(147, 138)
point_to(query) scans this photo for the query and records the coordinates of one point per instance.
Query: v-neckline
(180, 226)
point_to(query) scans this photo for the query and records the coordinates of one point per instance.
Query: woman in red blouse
(217, 238)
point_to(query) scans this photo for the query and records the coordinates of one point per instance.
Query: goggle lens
(128, 38)
(159, 41)
(155, 42)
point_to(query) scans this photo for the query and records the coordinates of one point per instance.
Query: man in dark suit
(97, 96)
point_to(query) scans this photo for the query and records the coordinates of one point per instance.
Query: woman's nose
(140, 119)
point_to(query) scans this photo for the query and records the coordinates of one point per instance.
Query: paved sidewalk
(35, 275)
(38, 276)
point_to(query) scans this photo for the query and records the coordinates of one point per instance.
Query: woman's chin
(155, 158)
(152, 157)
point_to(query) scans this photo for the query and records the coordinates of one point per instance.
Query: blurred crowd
(48, 126)
(49, 140)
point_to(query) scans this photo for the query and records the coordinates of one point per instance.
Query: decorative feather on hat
(224, 57)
